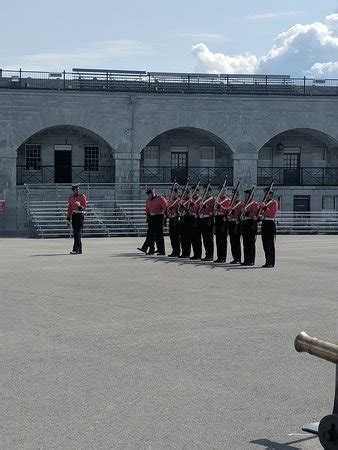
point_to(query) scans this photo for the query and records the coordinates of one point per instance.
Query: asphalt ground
(114, 349)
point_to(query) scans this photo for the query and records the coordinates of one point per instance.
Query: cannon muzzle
(316, 347)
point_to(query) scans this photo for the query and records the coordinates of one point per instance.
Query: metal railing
(162, 82)
(64, 174)
(168, 174)
(303, 176)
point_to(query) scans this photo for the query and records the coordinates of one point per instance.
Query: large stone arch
(183, 153)
(299, 156)
(63, 154)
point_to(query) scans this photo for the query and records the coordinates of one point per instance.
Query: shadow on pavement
(185, 261)
(53, 254)
(277, 446)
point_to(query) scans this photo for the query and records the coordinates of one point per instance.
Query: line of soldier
(194, 219)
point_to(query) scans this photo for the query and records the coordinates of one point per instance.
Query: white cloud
(96, 54)
(273, 15)
(301, 50)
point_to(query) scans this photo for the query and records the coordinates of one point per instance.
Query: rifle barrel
(316, 347)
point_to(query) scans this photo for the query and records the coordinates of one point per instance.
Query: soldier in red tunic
(155, 208)
(195, 231)
(220, 212)
(77, 204)
(249, 229)
(184, 224)
(234, 229)
(206, 224)
(172, 214)
(269, 211)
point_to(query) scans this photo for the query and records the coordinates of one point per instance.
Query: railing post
(20, 77)
(64, 80)
(149, 83)
(188, 82)
(107, 81)
(304, 88)
(227, 84)
(266, 84)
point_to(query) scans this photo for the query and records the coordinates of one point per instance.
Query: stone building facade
(49, 137)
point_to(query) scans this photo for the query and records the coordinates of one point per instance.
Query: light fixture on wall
(280, 147)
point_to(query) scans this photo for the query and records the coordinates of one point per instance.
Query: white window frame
(84, 158)
(32, 145)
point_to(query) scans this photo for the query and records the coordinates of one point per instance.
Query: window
(265, 154)
(91, 158)
(33, 157)
(207, 153)
(329, 202)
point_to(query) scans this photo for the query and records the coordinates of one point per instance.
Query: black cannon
(327, 428)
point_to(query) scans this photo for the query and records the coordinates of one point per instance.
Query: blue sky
(159, 36)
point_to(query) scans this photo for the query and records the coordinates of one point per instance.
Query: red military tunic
(236, 211)
(223, 206)
(172, 207)
(195, 205)
(155, 206)
(76, 204)
(270, 210)
(251, 210)
(207, 207)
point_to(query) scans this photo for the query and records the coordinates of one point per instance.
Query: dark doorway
(291, 169)
(179, 167)
(63, 166)
(301, 203)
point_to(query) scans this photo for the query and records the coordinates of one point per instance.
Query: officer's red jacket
(270, 209)
(157, 205)
(223, 206)
(251, 210)
(73, 205)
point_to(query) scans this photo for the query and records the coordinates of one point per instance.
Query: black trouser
(268, 240)
(184, 233)
(77, 224)
(149, 242)
(249, 232)
(206, 227)
(235, 240)
(196, 237)
(155, 224)
(221, 237)
(174, 235)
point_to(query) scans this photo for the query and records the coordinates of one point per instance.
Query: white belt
(268, 218)
(156, 214)
(204, 216)
(78, 212)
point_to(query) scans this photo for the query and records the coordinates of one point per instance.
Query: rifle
(203, 198)
(266, 195)
(220, 194)
(241, 217)
(179, 209)
(233, 199)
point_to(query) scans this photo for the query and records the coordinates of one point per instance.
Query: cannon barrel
(317, 347)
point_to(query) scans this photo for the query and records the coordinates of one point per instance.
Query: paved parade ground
(113, 349)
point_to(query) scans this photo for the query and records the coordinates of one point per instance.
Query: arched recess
(299, 157)
(186, 153)
(65, 154)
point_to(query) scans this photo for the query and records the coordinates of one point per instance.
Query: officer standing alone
(269, 211)
(77, 204)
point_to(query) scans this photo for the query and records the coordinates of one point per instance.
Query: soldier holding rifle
(172, 214)
(184, 222)
(232, 221)
(221, 207)
(206, 222)
(195, 231)
(267, 212)
(249, 227)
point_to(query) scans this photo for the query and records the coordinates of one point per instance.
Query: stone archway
(299, 157)
(65, 154)
(186, 153)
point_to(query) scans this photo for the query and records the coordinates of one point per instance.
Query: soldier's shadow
(187, 262)
(269, 445)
